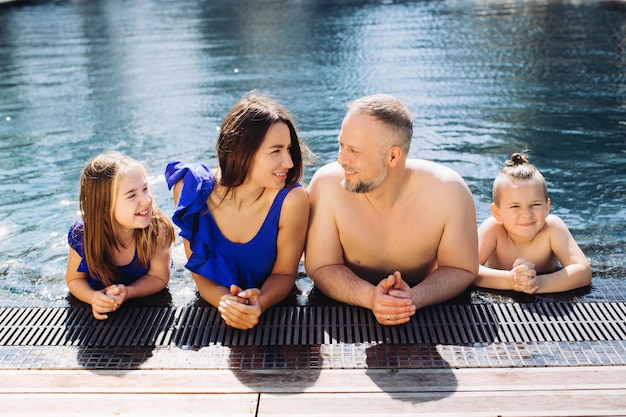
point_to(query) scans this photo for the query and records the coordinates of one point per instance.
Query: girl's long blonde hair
(98, 189)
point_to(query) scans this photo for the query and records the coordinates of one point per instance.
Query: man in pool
(388, 233)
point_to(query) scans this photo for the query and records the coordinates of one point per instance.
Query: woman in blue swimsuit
(244, 224)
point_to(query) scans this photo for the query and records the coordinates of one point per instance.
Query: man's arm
(323, 260)
(457, 254)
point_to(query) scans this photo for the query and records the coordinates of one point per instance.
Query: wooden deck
(580, 391)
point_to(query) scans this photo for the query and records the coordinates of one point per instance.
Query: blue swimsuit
(246, 265)
(126, 274)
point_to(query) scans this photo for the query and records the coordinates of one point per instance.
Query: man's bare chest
(392, 237)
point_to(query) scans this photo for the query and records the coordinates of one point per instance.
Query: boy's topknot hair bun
(517, 159)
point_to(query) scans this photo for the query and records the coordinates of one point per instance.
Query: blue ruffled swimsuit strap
(198, 182)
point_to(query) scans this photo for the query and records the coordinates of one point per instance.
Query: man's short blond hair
(392, 112)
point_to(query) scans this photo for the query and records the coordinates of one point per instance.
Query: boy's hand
(524, 276)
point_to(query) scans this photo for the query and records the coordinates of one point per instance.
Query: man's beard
(365, 187)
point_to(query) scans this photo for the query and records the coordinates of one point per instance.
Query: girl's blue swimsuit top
(126, 274)
(224, 262)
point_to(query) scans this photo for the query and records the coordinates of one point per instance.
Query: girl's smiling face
(133, 201)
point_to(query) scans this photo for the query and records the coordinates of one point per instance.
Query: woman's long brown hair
(242, 133)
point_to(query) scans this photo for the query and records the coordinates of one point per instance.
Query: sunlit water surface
(154, 79)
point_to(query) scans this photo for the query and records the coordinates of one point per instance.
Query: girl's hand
(241, 309)
(118, 292)
(101, 304)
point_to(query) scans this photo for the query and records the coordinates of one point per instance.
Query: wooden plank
(314, 381)
(154, 405)
(584, 391)
(435, 404)
(439, 404)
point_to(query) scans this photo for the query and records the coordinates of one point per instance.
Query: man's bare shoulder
(326, 178)
(433, 178)
(332, 170)
(435, 171)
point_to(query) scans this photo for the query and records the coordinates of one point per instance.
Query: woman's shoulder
(296, 197)
(295, 209)
(295, 206)
(198, 181)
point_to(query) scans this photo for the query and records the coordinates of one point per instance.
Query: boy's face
(523, 208)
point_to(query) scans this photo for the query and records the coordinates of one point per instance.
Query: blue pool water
(154, 79)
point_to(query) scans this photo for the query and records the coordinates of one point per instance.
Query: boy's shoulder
(490, 223)
(556, 224)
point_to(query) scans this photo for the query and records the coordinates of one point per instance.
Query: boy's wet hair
(518, 168)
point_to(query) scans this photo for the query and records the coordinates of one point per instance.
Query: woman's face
(272, 161)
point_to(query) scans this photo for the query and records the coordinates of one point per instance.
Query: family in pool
(377, 229)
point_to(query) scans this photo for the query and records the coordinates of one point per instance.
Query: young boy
(523, 247)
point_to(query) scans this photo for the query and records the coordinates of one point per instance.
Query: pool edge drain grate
(311, 337)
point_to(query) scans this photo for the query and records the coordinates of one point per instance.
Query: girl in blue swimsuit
(121, 247)
(244, 224)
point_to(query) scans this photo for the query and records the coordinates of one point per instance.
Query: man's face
(360, 153)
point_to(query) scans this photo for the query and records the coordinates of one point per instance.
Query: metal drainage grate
(315, 325)
(147, 326)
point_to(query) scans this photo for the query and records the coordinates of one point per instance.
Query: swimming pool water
(154, 79)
